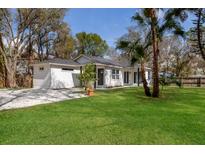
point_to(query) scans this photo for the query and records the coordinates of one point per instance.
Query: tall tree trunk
(2, 72)
(11, 79)
(2, 62)
(199, 33)
(5, 76)
(155, 55)
(47, 47)
(30, 58)
(11, 73)
(145, 85)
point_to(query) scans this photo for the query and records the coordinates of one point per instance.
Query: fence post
(199, 82)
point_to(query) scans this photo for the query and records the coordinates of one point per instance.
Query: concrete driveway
(10, 99)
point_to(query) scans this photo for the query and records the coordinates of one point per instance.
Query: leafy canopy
(90, 44)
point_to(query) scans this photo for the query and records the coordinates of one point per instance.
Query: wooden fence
(193, 81)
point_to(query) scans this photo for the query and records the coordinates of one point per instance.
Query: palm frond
(138, 18)
(179, 13)
(122, 44)
(172, 25)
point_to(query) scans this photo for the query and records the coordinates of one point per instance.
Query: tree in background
(14, 32)
(175, 56)
(64, 44)
(135, 45)
(197, 33)
(47, 30)
(112, 53)
(182, 62)
(22, 30)
(90, 44)
(168, 46)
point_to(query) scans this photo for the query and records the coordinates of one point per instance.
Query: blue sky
(110, 24)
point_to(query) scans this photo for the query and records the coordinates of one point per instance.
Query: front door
(100, 76)
(135, 77)
(126, 77)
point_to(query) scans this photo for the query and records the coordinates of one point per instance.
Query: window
(115, 74)
(149, 75)
(67, 69)
(41, 68)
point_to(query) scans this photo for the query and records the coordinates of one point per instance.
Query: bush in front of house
(88, 76)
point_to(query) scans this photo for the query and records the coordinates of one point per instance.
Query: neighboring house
(60, 73)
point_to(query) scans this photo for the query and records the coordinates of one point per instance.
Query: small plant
(164, 82)
(179, 83)
(88, 76)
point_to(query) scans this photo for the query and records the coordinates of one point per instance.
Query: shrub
(88, 75)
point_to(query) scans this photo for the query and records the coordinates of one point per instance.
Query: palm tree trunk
(155, 55)
(145, 85)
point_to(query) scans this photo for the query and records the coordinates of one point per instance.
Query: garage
(56, 74)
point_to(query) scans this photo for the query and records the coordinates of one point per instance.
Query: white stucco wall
(41, 78)
(54, 77)
(64, 78)
(131, 75)
(108, 81)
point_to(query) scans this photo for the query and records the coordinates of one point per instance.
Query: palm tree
(151, 19)
(137, 50)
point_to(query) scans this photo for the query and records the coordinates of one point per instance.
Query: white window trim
(115, 75)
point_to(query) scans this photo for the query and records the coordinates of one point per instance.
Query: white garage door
(61, 78)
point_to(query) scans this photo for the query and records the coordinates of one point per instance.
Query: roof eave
(57, 64)
(100, 64)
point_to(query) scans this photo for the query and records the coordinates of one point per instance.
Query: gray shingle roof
(106, 61)
(61, 61)
(94, 59)
(102, 60)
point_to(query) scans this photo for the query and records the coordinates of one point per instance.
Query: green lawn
(122, 116)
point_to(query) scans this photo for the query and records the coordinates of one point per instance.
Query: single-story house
(61, 73)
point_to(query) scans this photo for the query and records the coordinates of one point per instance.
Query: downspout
(81, 74)
(95, 77)
(138, 76)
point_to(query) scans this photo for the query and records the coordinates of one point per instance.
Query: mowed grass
(121, 116)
